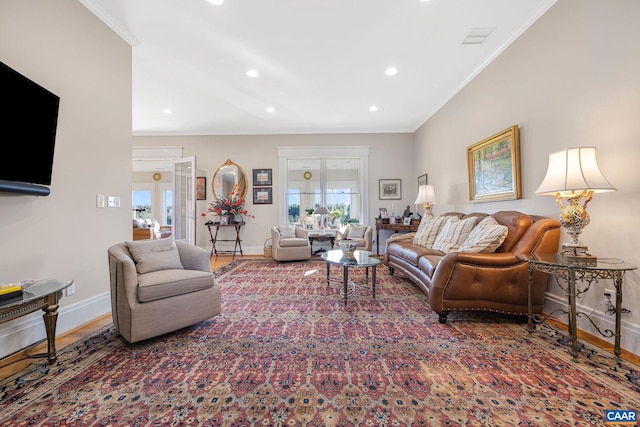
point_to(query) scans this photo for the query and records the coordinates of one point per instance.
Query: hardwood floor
(17, 361)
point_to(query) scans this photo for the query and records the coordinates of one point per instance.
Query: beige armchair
(290, 243)
(362, 234)
(160, 286)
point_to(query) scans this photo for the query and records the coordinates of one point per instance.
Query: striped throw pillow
(453, 234)
(429, 229)
(485, 237)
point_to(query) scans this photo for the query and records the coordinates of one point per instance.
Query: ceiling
(321, 63)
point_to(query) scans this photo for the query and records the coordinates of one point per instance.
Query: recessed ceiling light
(252, 73)
(216, 2)
(167, 111)
(271, 110)
(391, 71)
(373, 108)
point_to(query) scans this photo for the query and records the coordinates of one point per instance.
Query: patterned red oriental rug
(287, 352)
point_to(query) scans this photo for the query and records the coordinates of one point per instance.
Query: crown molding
(112, 23)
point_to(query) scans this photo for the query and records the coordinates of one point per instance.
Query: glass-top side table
(38, 295)
(568, 273)
(359, 259)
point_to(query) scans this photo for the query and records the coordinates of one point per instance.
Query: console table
(396, 228)
(38, 295)
(568, 272)
(237, 245)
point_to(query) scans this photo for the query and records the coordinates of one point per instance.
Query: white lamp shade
(572, 171)
(426, 194)
(321, 210)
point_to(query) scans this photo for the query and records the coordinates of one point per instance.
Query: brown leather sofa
(463, 281)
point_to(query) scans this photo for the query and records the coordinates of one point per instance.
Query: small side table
(328, 235)
(237, 245)
(359, 259)
(567, 272)
(38, 295)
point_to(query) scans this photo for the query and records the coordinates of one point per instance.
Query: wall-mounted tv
(28, 119)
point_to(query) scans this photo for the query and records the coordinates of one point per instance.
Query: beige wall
(390, 157)
(65, 48)
(570, 80)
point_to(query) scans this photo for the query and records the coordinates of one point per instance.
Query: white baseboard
(629, 332)
(27, 330)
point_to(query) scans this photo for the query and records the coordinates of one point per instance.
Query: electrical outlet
(71, 289)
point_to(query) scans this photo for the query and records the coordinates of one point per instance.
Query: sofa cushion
(453, 234)
(293, 242)
(155, 255)
(287, 231)
(410, 252)
(485, 237)
(356, 231)
(169, 283)
(429, 229)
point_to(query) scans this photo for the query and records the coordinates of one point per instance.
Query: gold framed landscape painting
(494, 167)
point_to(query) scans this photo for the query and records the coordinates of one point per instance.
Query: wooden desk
(237, 245)
(38, 295)
(396, 228)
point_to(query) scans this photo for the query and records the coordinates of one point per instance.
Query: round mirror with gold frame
(229, 178)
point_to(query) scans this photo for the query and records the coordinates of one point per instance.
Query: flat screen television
(28, 119)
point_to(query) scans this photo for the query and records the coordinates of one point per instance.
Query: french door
(184, 199)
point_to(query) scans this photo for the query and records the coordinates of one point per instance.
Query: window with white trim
(334, 177)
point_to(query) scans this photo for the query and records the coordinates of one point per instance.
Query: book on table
(10, 291)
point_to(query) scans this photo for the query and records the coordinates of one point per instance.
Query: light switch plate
(100, 200)
(113, 202)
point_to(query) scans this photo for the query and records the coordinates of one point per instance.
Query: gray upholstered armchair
(290, 243)
(160, 286)
(361, 234)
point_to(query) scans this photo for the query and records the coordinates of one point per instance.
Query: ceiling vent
(477, 35)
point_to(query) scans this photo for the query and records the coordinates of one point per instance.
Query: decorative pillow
(287, 231)
(153, 224)
(356, 231)
(155, 255)
(139, 223)
(429, 229)
(485, 237)
(453, 234)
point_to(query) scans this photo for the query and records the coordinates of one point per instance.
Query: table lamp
(426, 198)
(322, 211)
(574, 174)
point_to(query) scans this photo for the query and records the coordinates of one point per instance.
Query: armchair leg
(442, 317)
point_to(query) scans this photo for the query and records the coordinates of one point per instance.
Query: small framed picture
(423, 180)
(224, 220)
(406, 221)
(263, 196)
(262, 177)
(201, 188)
(390, 189)
(383, 213)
